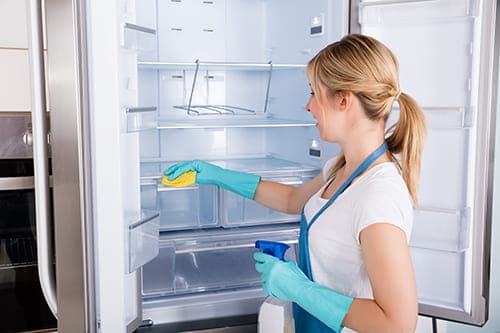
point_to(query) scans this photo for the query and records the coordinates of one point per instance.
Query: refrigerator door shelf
(143, 234)
(441, 229)
(455, 65)
(440, 278)
(440, 118)
(140, 39)
(190, 207)
(389, 12)
(208, 263)
(141, 118)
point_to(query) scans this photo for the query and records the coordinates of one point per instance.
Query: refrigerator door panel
(445, 50)
(125, 236)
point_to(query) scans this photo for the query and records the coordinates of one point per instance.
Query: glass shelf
(232, 122)
(150, 65)
(265, 165)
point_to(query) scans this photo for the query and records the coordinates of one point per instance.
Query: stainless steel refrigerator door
(70, 160)
(447, 51)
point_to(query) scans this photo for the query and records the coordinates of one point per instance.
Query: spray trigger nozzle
(276, 249)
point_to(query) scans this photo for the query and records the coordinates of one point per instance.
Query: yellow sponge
(186, 179)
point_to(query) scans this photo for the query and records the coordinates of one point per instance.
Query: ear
(346, 99)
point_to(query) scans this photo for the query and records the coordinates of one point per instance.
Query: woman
(354, 266)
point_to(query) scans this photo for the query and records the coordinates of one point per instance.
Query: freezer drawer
(239, 211)
(182, 208)
(207, 264)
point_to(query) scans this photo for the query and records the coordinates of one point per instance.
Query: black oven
(22, 305)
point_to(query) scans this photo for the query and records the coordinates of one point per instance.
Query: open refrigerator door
(445, 50)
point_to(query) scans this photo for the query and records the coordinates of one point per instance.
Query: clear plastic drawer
(239, 211)
(182, 208)
(142, 238)
(213, 262)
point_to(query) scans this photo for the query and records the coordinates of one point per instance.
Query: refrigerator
(135, 86)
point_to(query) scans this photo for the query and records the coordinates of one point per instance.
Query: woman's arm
(389, 267)
(286, 198)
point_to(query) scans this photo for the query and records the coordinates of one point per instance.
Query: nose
(308, 105)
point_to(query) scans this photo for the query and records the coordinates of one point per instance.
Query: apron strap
(359, 170)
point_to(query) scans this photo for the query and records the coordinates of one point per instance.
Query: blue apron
(304, 322)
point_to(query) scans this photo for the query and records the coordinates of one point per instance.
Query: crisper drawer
(239, 211)
(207, 264)
(182, 208)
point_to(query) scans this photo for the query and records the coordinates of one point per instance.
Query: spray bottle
(275, 315)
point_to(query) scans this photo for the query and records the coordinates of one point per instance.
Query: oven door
(23, 307)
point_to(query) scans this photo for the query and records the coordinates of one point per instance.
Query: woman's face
(324, 112)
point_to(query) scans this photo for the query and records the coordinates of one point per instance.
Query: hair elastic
(397, 95)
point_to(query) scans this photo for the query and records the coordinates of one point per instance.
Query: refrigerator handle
(40, 155)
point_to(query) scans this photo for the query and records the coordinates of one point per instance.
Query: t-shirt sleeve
(383, 206)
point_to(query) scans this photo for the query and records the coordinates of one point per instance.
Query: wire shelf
(17, 251)
(212, 109)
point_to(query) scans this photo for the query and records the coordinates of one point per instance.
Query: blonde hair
(367, 68)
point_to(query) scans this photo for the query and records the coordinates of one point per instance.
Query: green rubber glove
(286, 281)
(242, 183)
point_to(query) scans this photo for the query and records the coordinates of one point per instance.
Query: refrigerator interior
(221, 81)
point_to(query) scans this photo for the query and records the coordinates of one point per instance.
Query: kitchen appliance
(21, 299)
(136, 86)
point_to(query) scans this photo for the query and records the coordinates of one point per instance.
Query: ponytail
(406, 138)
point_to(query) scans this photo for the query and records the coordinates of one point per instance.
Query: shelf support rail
(266, 102)
(192, 88)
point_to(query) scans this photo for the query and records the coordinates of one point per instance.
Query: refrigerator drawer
(193, 266)
(239, 211)
(182, 208)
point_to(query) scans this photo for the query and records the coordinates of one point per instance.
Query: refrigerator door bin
(440, 277)
(210, 262)
(239, 211)
(143, 237)
(190, 207)
(445, 25)
(141, 118)
(139, 39)
(441, 229)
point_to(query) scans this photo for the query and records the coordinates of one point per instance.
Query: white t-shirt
(378, 195)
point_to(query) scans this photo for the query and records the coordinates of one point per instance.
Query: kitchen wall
(14, 60)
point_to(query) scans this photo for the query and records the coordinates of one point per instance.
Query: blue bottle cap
(276, 249)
